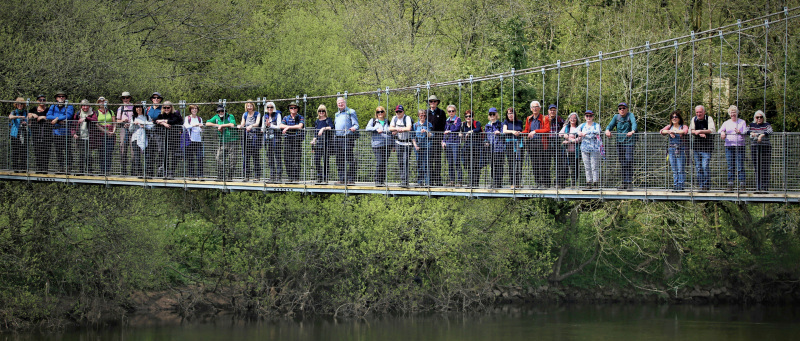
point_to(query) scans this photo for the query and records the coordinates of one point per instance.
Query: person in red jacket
(535, 126)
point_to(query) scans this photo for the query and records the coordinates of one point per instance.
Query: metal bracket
(305, 98)
(647, 45)
(600, 55)
(470, 79)
(428, 85)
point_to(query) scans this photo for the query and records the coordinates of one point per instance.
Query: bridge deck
(309, 187)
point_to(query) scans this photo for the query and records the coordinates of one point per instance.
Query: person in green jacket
(228, 135)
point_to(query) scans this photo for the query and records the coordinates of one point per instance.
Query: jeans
(677, 160)
(274, 158)
(423, 171)
(734, 155)
(701, 161)
(453, 165)
(402, 162)
(625, 157)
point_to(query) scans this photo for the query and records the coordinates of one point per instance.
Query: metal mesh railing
(366, 158)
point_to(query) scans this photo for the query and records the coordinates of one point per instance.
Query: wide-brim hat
(125, 94)
(156, 94)
(433, 98)
(294, 104)
(101, 98)
(60, 93)
(85, 102)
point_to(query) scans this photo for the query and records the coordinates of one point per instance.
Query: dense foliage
(82, 252)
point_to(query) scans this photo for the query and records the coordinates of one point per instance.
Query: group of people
(156, 137)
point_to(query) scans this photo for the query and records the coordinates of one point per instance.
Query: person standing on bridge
(193, 124)
(19, 136)
(571, 140)
(535, 124)
(471, 152)
(293, 135)
(702, 126)
(321, 144)
(733, 132)
(761, 150)
(591, 146)
(141, 124)
(86, 136)
(270, 125)
(381, 143)
(171, 127)
(451, 144)
(512, 128)
(437, 118)
(422, 143)
(251, 122)
(554, 157)
(346, 121)
(401, 127)
(125, 118)
(106, 125)
(155, 139)
(676, 149)
(40, 136)
(625, 124)
(60, 148)
(226, 152)
(494, 142)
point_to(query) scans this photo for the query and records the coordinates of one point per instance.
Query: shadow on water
(541, 322)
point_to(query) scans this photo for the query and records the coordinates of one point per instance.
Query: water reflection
(564, 322)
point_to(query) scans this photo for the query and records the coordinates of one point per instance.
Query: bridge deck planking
(393, 189)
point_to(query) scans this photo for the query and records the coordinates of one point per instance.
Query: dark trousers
(537, 156)
(61, 151)
(274, 150)
(345, 159)
(381, 159)
(572, 163)
(762, 156)
(252, 159)
(84, 160)
(194, 159)
(625, 158)
(292, 154)
(514, 162)
(42, 142)
(497, 159)
(402, 162)
(556, 165)
(137, 162)
(18, 153)
(471, 162)
(435, 161)
(321, 160)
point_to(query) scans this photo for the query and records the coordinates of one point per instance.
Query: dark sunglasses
(290, 108)
(167, 107)
(761, 117)
(156, 97)
(270, 107)
(124, 97)
(492, 113)
(451, 111)
(398, 111)
(468, 116)
(42, 99)
(379, 111)
(675, 117)
(322, 111)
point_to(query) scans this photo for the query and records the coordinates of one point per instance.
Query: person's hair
(135, 114)
(469, 112)
(167, 103)
(322, 107)
(536, 104)
(270, 104)
(577, 119)
(512, 111)
(759, 112)
(422, 112)
(701, 107)
(193, 106)
(341, 98)
(249, 101)
(680, 117)
(379, 108)
(733, 108)
(452, 106)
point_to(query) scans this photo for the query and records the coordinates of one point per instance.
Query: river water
(564, 322)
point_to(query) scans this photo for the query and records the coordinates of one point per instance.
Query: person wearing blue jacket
(494, 143)
(58, 115)
(625, 124)
(381, 143)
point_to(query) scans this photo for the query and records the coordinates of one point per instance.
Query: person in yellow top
(106, 123)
